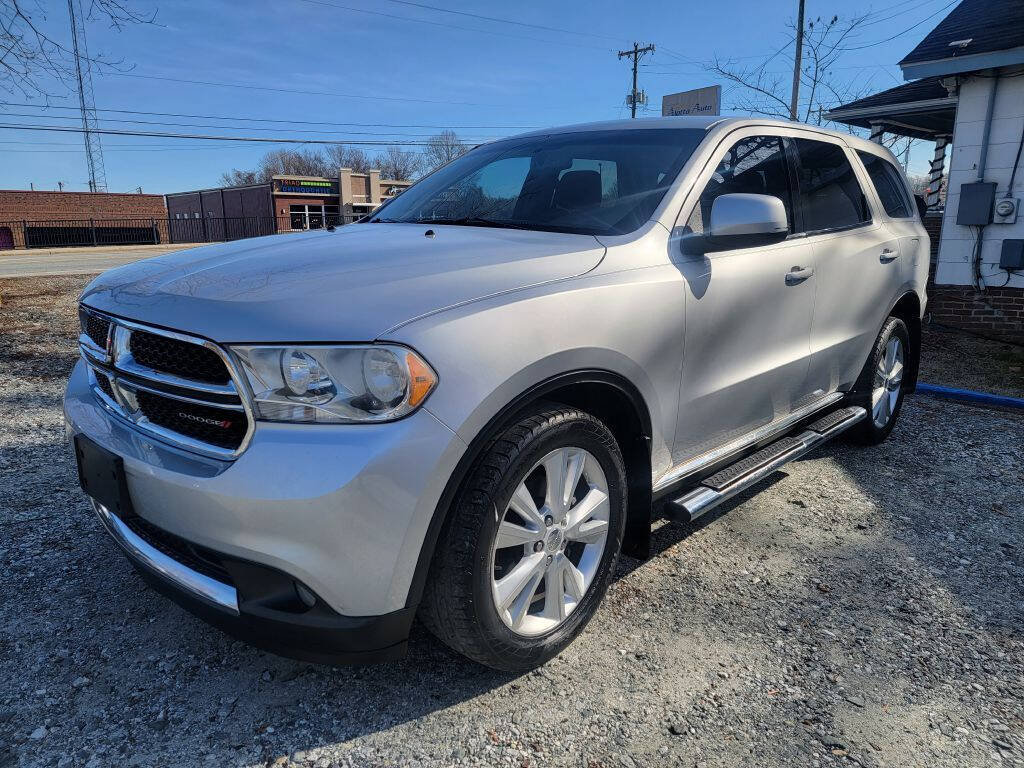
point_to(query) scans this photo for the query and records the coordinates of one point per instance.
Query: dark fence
(212, 230)
(63, 233)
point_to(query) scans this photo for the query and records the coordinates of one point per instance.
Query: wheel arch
(611, 398)
(908, 309)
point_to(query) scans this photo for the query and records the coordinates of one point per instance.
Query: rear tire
(507, 526)
(879, 388)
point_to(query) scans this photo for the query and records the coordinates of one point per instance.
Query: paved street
(42, 262)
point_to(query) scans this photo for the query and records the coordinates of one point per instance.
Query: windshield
(594, 183)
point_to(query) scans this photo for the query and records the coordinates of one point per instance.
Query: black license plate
(101, 475)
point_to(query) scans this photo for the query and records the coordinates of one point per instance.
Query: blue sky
(482, 78)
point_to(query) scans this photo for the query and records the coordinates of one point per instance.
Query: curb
(970, 396)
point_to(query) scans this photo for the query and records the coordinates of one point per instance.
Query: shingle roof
(919, 90)
(991, 25)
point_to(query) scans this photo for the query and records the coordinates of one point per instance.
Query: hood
(352, 284)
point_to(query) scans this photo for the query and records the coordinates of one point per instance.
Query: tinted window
(590, 182)
(888, 184)
(830, 196)
(756, 165)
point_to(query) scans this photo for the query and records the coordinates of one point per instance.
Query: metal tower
(86, 100)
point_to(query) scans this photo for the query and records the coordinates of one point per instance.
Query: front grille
(177, 390)
(96, 328)
(190, 555)
(181, 358)
(217, 426)
(104, 384)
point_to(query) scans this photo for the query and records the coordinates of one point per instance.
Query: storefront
(302, 203)
(285, 204)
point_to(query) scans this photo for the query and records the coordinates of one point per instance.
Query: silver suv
(467, 405)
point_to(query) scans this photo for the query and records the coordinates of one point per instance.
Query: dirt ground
(863, 608)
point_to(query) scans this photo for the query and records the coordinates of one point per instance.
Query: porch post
(877, 131)
(935, 177)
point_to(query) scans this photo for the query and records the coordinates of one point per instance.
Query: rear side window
(756, 165)
(830, 197)
(888, 184)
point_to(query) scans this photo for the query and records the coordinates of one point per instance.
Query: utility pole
(636, 54)
(795, 98)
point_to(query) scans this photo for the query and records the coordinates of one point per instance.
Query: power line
(505, 21)
(445, 25)
(248, 86)
(268, 119)
(208, 125)
(205, 137)
(895, 15)
(908, 29)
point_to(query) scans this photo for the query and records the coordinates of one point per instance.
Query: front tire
(531, 541)
(879, 388)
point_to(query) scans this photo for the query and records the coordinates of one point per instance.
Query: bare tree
(238, 178)
(295, 162)
(443, 148)
(32, 60)
(398, 164)
(766, 92)
(340, 156)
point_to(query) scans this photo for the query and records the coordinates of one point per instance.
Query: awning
(922, 109)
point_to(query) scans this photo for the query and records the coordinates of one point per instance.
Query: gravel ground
(865, 608)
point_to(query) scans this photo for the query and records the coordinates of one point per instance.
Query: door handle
(798, 274)
(887, 255)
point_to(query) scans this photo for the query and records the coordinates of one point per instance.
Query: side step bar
(738, 477)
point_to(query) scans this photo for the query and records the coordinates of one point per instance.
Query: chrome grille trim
(167, 385)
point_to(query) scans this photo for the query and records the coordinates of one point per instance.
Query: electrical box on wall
(1012, 256)
(976, 202)
(1006, 210)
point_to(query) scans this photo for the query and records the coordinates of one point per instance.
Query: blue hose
(970, 396)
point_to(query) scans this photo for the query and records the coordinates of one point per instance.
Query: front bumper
(342, 510)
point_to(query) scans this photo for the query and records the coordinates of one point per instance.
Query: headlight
(340, 385)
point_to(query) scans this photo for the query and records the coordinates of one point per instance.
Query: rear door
(857, 259)
(899, 209)
(747, 319)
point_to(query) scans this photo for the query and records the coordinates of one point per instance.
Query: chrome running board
(680, 472)
(737, 477)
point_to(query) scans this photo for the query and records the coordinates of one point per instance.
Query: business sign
(700, 101)
(306, 186)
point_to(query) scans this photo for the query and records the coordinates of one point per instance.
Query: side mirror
(741, 220)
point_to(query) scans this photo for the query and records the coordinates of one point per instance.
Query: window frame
(858, 170)
(724, 147)
(908, 195)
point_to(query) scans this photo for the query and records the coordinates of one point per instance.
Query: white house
(966, 93)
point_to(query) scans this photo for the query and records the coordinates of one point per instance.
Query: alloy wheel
(886, 389)
(550, 541)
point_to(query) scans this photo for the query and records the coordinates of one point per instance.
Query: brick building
(25, 215)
